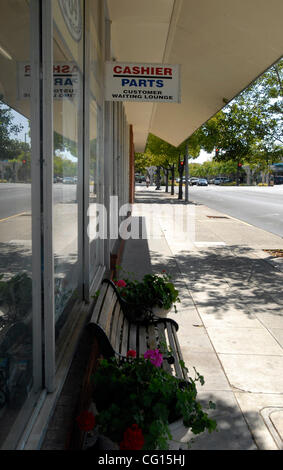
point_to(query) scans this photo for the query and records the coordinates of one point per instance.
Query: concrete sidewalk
(231, 313)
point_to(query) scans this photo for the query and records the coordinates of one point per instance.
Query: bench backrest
(117, 334)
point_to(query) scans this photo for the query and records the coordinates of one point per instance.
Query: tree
(250, 127)
(167, 156)
(142, 161)
(162, 154)
(8, 146)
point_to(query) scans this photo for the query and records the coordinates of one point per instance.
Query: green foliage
(8, 145)
(136, 391)
(250, 127)
(153, 290)
(64, 167)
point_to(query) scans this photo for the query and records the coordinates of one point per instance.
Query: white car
(68, 180)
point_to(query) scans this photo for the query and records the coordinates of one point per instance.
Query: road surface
(258, 206)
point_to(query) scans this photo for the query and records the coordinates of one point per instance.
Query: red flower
(133, 438)
(120, 283)
(86, 421)
(131, 353)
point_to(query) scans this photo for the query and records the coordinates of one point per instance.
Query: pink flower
(155, 357)
(120, 283)
(131, 353)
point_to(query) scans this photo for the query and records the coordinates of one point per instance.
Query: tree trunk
(173, 180)
(166, 180)
(158, 178)
(181, 170)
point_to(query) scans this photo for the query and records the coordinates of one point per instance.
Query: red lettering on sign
(65, 69)
(117, 69)
(142, 70)
(167, 71)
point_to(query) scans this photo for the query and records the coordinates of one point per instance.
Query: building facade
(66, 159)
(57, 188)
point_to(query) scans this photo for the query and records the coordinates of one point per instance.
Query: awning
(222, 46)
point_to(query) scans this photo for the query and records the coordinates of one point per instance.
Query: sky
(203, 157)
(18, 119)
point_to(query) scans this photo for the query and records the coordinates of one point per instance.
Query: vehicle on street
(278, 179)
(202, 182)
(68, 180)
(219, 180)
(193, 181)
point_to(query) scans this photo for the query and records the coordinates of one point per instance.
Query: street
(16, 197)
(258, 206)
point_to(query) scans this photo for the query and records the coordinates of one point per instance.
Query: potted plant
(136, 401)
(155, 293)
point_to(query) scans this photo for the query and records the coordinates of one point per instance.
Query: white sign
(155, 83)
(65, 80)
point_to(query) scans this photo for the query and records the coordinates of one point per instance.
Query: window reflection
(16, 365)
(95, 117)
(67, 109)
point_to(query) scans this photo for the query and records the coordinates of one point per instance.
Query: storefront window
(68, 135)
(16, 346)
(95, 133)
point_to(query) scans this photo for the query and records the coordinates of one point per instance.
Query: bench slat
(174, 352)
(98, 305)
(125, 338)
(142, 340)
(107, 310)
(133, 337)
(178, 348)
(162, 339)
(152, 342)
(116, 314)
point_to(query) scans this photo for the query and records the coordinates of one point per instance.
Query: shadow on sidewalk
(219, 279)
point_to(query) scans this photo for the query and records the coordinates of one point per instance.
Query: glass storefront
(95, 71)
(16, 342)
(52, 183)
(68, 39)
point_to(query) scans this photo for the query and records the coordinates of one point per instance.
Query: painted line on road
(13, 216)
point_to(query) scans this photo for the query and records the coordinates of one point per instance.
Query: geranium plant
(136, 400)
(153, 290)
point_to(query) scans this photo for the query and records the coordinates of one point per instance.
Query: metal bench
(118, 331)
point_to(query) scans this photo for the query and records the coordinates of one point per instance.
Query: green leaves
(152, 290)
(136, 391)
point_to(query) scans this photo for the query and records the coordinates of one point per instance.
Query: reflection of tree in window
(15, 153)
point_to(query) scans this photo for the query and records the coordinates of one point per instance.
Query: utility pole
(186, 163)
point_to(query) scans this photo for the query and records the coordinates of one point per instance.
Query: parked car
(68, 180)
(278, 179)
(193, 181)
(219, 180)
(202, 182)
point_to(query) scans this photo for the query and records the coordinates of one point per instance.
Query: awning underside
(222, 46)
